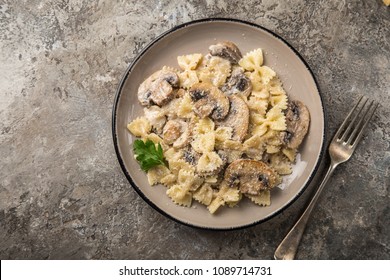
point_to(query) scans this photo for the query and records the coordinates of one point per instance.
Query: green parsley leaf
(148, 155)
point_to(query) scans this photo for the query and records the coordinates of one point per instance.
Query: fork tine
(357, 126)
(360, 129)
(357, 115)
(346, 121)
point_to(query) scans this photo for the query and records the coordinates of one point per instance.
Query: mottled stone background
(62, 192)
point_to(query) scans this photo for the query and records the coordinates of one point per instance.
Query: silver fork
(341, 149)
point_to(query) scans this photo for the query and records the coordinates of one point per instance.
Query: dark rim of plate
(119, 91)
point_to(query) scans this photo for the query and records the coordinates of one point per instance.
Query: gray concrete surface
(62, 192)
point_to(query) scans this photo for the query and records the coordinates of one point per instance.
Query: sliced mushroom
(237, 119)
(209, 101)
(297, 122)
(172, 131)
(184, 138)
(251, 176)
(158, 88)
(156, 118)
(177, 132)
(227, 50)
(190, 155)
(238, 83)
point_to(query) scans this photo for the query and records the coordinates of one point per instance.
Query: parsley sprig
(148, 155)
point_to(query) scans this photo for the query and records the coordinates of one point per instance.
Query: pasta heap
(226, 126)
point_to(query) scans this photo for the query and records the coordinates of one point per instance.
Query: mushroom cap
(209, 101)
(238, 83)
(297, 122)
(190, 155)
(156, 117)
(158, 88)
(237, 118)
(177, 132)
(252, 176)
(171, 131)
(227, 50)
(185, 137)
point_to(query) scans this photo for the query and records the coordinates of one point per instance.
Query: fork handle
(289, 245)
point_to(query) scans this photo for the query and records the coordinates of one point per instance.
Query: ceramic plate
(195, 37)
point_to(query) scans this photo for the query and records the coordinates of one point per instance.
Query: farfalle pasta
(214, 70)
(204, 194)
(226, 126)
(189, 62)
